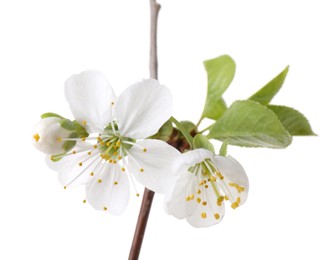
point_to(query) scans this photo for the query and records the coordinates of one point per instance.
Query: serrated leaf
(266, 93)
(200, 141)
(294, 121)
(216, 110)
(220, 72)
(223, 149)
(250, 124)
(49, 114)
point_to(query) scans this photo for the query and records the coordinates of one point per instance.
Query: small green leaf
(223, 149)
(266, 94)
(295, 122)
(80, 130)
(215, 110)
(189, 126)
(49, 114)
(250, 124)
(200, 141)
(220, 72)
(68, 125)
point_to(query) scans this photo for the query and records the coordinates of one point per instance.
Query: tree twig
(148, 195)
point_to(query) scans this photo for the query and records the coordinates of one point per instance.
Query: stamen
(217, 216)
(84, 201)
(203, 215)
(36, 137)
(84, 122)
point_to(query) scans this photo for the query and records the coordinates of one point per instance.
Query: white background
(290, 213)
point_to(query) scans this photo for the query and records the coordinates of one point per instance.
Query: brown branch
(148, 195)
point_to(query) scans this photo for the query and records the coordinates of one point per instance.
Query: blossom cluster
(110, 146)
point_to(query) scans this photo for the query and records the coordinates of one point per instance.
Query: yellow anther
(112, 103)
(192, 196)
(115, 147)
(204, 203)
(115, 153)
(206, 186)
(92, 173)
(84, 122)
(238, 200)
(95, 146)
(59, 139)
(83, 139)
(240, 189)
(119, 157)
(99, 138)
(110, 161)
(108, 144)
(80, 164)
(65, 187)
(217, 216)
(123, 169)
(203, 215)
(142, 170)
(145, 150)
(74, 152)
(102, 143)
(219, 203)
(234, 205)
(220, 198)
(118, 143)
(114, 161)
(226, 197)
(105, 208)
(115, 183)
(137, 194)
(99, 180)
(84, 201)
(198, 200)
(188, 198)
(213, 178)
(219, 175)
(89, 153)
(198, 191)
(36, 137)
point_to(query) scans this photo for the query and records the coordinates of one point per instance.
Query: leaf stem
(185, 133)
(199, 121)
(205, 129)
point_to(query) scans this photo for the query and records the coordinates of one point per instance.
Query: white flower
(107, 159)
(49, 136)
(204, 182)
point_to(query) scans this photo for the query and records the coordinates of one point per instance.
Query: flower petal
(76, 168)
(235, 178)
(190, 158)
(208, 212)
(150, 162)
(143, 108)
(91, 98)
(110, 191)
(176, 203)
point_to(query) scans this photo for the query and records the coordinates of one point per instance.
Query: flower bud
(50, 137)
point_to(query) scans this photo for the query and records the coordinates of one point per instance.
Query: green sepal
(294, 121)
(49, 114)
(223, 149)
(266, 93)
(68, 145)
(57, 157)
(80, 130)
(220, 72)
(68, 124)
(200, 141)
(249, 124)
(164, 132)
(189, 126)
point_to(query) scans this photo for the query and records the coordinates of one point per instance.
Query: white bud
(48, 136)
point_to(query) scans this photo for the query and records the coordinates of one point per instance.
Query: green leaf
(80, 130)
(49, 114)
(294, 121)
(216, 110)
(220, 72)
(164, 132)
(200, 141)
(223, 149)
(266, 94)
(250, 124)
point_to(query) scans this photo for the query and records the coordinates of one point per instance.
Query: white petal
(234, 174)
(91, 98)
(47, 134)
(76, 169)
(190, 158)
(176, 203)
(208, 212)
(143, 108)
(150, 162)
(110, 191)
